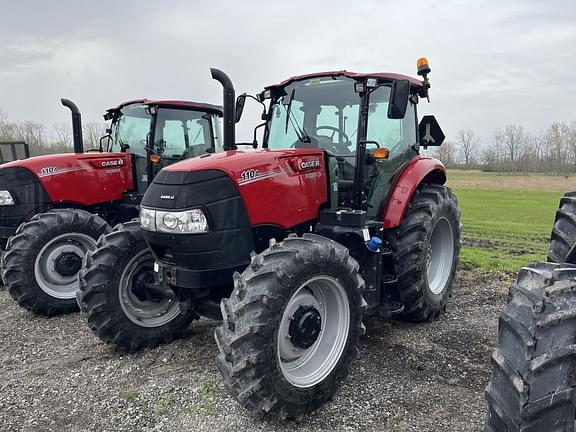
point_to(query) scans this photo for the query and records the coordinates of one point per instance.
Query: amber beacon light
(423, 66)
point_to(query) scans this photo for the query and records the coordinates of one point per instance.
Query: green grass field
(505, 224)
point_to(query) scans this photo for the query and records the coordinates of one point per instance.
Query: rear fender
(419, 170)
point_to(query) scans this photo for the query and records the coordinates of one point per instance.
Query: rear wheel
(563, 235)
(426, 250)
(44, 256)
(533, 383)
(119, 298)
(291, 327)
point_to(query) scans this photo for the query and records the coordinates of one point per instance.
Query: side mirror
(399, 99)
(240, 101)
(430, 132)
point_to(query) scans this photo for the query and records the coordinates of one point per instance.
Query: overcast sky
(493, 62)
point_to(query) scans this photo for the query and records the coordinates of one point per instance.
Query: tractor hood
(278, 187)
(80, 178)
(241, 193)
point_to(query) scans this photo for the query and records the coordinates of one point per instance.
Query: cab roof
(193, 106)
(382, 76)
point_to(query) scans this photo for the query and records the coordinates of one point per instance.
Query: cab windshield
(179, 133)
(316, 113)
(130, 129)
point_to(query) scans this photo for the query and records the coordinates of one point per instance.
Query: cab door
(398, 137)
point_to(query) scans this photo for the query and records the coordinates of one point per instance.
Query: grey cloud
(14, 59)
(493, 62)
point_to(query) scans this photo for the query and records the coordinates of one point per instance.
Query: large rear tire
(564, 231)
(42, 259)
(426, 249)
(291, 326)
(533, 384)
(117, 296)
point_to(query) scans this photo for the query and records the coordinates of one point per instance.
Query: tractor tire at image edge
(533, 387)
(563, 235)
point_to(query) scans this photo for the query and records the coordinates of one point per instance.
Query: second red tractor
(54, 208)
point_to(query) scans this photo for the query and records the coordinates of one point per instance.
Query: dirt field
(55, 375)
(459, 179)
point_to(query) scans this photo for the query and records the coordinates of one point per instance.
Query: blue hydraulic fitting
(374, 244)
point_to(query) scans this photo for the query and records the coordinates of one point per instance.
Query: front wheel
(426, 250)
(43, 258)
(291, 327)
(119, 297)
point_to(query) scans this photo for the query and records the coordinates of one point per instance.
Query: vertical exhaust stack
(76, 125)
(229, 108)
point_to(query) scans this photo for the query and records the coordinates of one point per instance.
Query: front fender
(418, 170)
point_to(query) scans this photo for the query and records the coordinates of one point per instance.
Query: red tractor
(337, 216)
(54, 208)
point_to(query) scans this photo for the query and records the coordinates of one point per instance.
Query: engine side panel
(419, 169)
(83, 179)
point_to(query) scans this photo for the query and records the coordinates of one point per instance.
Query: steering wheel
(334, 130)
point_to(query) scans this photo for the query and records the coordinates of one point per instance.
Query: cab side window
(396, 135)
(181, 134)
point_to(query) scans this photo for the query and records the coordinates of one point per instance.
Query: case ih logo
(167, 197)
(311, 164)
(113, 163)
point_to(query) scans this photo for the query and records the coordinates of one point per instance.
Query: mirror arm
(260, 102)
(245, 95)
(255, 141)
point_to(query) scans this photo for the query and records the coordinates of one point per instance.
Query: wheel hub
(440, 256)
(143, 302)
(59, 261)
(305, 326)
(313, 331)
(68, 264)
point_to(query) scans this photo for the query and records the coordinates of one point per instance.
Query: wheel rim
(142, 307)
(57, 265)
(440, 256)
(308, 361)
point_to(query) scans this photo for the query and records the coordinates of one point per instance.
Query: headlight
(184, 222)
(6, 199)
(148, 219)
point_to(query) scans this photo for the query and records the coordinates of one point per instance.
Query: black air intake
(76, 125)
(229, 108)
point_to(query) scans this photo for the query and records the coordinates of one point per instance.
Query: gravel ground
(55, 375)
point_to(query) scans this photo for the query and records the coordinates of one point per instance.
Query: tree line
(513, 148)
(43, 140)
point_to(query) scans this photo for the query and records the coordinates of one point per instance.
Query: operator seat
(312, 144)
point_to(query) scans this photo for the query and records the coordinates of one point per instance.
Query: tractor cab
(159, 133)
(366, 124)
